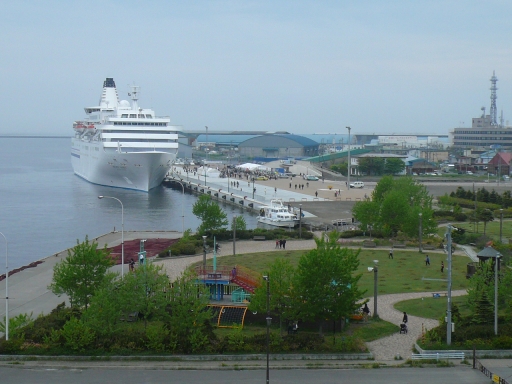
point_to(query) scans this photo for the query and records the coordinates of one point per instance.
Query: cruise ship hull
(140, 171)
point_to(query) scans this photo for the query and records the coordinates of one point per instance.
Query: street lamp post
(6, 290)
(122, 230)
(300, 221)
(269, 320)
(204, 254)
(421, 231)
(182, 206)
(498, 255)
(501, 225)
(253, 187)
(234, 235)
(348, 166)
(375, 277)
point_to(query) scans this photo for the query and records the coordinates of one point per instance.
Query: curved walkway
(390, 347)
(384, 349)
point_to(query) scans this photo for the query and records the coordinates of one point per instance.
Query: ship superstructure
(119, 144)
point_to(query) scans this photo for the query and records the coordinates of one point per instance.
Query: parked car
(311, 178)
(264, 178)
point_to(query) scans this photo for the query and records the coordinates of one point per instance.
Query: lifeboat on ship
(78, 126)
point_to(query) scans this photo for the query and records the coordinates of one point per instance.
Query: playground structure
(239, 282)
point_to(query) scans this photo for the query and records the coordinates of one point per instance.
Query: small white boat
(278, 215)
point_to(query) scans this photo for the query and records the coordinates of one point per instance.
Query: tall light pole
(496, 263)
(449, 281)
(300, 221)
(348, 166)
(206, 146)
(375, 277)
(6, 290)
(234, 235)
(182, 205)
(253, 187)
(501, 225)
(421, 231)
(122, 230)
(204, 254)
(269, 320)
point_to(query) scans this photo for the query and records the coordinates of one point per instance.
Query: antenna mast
(494, 111)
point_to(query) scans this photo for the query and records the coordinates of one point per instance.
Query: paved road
(138, 375)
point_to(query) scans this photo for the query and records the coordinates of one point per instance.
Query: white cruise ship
(121, 145)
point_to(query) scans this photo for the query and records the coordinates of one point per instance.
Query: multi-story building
(485, 130)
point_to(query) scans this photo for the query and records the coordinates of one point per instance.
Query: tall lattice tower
(494, 111)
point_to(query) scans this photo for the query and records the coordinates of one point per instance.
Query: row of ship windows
(480, 143)
(134, 116)
(144, 132)
(146, 124)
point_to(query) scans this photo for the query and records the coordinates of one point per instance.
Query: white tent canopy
(253, 167)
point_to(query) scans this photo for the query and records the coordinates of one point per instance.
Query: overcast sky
(378, 66)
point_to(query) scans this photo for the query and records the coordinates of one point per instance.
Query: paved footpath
(385, 349)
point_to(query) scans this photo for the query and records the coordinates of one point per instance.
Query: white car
(357, 184)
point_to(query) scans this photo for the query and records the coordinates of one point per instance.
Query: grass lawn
(431, 308)
(492, 230)
(404, 273)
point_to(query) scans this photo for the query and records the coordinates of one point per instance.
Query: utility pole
(449, 305)
(348, 166)
(234, 235)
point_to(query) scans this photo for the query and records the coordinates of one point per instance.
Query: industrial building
(278, 146)
(485, 130)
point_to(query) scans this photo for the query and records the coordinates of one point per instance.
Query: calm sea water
(45, 208)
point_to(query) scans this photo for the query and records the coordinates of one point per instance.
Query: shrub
(77, 336)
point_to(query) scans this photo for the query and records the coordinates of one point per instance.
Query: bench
(438, 295)
(429, 247)
(437, 356)
(369, 244)
(399, 245)
(260, 238)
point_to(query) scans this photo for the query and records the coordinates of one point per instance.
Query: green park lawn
(432, 308)
(492, 230)
(404, 273)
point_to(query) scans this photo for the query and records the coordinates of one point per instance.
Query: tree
(144, 291)
(395, 207)
(239, 223)
(367, 213)
(325, 284)
(81, 272)
(371, 165)
(189, 315)
(394, 166)
(280, 274)
(211, 215)
(485, 215)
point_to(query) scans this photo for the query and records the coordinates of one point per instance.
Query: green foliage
(81, 272)
(16, 324)
(395, 207)
(281, 274)
(187, 303)
(465, 203)
(143, 291)
(239, 223)
(371, 166)
(77, 336)
(394, 166)
(325, 283)
(157, 337)
(209, 212)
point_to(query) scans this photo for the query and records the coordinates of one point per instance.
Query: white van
(357, 184)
